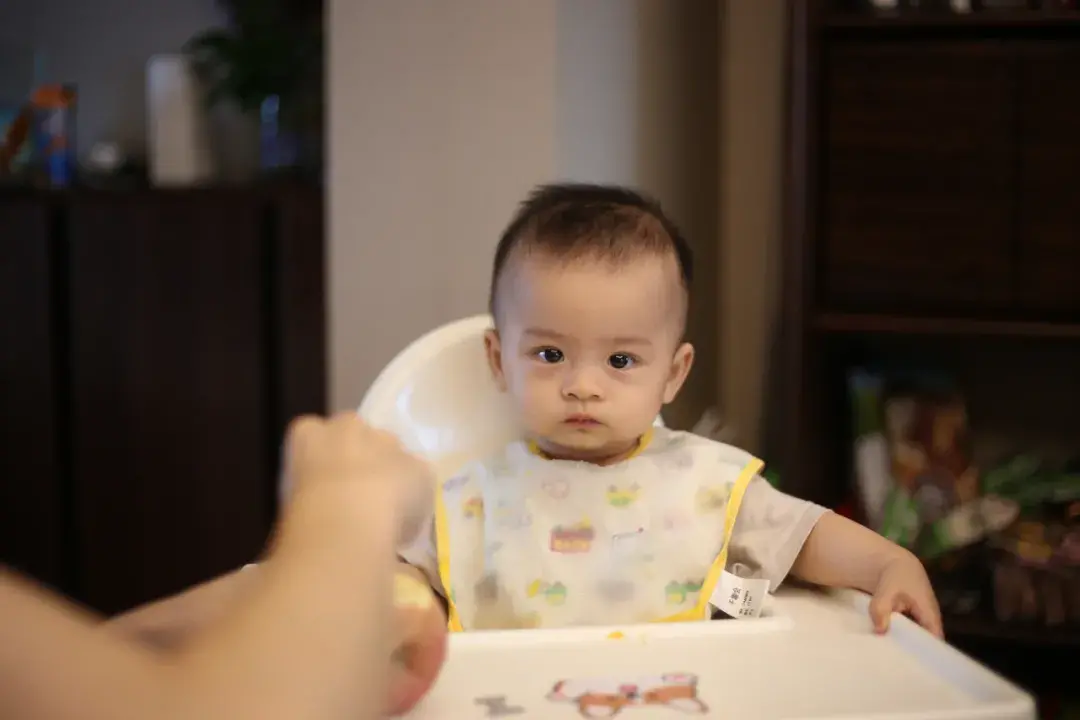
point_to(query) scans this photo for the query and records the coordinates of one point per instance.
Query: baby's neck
(605, 456)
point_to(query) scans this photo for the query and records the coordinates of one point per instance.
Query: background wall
(753, 76)
(103, 46)
(442, 116)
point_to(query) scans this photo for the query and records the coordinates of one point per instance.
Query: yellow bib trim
(700, 611)
(442, 553)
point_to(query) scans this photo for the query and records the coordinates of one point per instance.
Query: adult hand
(312, 638)
(345, 450)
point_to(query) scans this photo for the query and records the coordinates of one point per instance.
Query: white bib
(523, 541)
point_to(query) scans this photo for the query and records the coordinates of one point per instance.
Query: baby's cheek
(534, 399)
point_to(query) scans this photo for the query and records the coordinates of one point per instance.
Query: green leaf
(267, 50)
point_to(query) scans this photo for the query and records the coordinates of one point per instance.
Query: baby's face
(590, 352)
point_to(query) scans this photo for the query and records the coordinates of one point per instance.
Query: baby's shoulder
(681, 450)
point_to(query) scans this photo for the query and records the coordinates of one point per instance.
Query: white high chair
(437, 395)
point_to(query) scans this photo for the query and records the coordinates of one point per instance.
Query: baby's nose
(583, 384)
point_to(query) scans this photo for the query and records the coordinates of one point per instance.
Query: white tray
(765, 668)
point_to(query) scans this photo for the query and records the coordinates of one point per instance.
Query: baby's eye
(550, 355)
(620, 361)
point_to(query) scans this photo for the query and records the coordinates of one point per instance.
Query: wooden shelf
(978, 627)
(840, 323)
(981, 153)
(943, 20)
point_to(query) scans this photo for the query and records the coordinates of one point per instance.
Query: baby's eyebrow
(631, 341)
(544, 333)
(623, 341)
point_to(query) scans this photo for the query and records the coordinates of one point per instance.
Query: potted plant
(268, 61)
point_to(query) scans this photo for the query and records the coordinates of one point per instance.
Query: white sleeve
(770, 531)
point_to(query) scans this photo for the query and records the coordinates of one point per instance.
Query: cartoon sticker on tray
(497, 706)
(605, 697)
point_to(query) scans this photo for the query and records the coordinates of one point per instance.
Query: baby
(597, 516)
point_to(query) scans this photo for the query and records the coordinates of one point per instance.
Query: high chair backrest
(438, 396)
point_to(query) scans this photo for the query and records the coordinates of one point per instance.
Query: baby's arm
(420, 557)
(419, 560)
(842, 553)
(166, 623)
(777, 534)
(413, 571)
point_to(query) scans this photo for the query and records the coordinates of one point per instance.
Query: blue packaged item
(54, 135)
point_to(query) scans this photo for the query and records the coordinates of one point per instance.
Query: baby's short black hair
(569, 221)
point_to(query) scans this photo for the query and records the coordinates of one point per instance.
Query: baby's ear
(493, 350)
(680, 368)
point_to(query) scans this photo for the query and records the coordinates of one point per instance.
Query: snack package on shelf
(936, 504)
(1005, 542)
(873, 477)
(1036, 576)
(918, 486)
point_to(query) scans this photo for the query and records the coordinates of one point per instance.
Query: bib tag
(739, 597)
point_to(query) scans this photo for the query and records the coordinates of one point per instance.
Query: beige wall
(442, 116)
(751, 210)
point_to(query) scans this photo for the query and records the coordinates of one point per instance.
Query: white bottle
(178, 152)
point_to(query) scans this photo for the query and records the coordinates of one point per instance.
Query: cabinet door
(300, 306)
(171, 456)
(917, 171)
(1048, 267)
(30, 446)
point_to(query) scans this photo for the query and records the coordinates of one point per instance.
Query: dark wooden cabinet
(933, 189)
(946, 179)
(32, 509)
(1048, 178)
(917, 175)
(173, 321)
(168, 390)
(933, 223)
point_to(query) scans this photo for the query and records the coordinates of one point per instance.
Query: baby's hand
(422, 649)
(905, 588)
